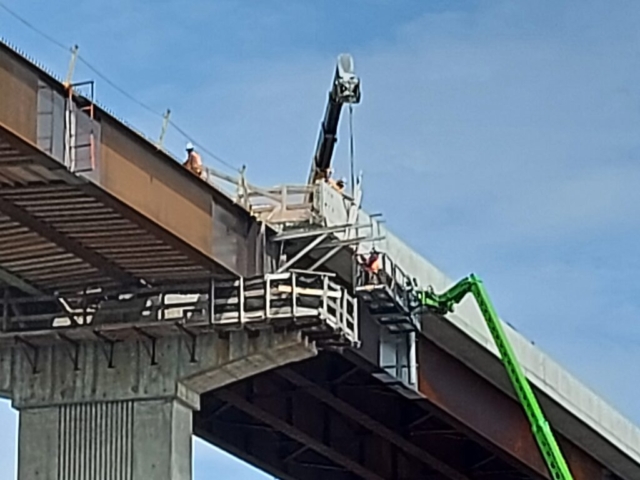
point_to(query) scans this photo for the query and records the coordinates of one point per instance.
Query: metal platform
(388, 296)
(309, 302)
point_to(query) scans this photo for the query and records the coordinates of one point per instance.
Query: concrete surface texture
(121, 440)
(126, 417)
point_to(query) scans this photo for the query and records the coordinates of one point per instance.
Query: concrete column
(120, 440)
(87, 413)
(97, 410)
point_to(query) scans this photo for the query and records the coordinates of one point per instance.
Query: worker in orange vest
(372, 267)
(193, 162)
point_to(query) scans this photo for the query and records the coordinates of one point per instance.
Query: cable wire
(119, 89)
(33, 27)
(203, 148)
(352, 166)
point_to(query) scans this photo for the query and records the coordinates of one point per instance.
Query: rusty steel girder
(128, 172)
(475, 402)
(327, 414)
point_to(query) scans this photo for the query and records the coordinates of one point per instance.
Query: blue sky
(501, 137)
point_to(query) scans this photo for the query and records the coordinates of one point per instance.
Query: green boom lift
(444, 303)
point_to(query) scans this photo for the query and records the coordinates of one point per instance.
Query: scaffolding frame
(293, 300)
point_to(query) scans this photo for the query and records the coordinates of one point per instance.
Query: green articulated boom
(444, 303)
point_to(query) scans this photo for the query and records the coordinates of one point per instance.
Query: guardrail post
(267, 297)
(284, 204)
(354, 319)
(5, 311)
(325, 294)
(344, 312)
(212, 301)
(241, 300)
(293, 295)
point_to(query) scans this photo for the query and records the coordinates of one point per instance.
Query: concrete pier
(120, 440)
(123, 411)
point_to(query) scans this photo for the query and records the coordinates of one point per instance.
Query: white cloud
(502, 138)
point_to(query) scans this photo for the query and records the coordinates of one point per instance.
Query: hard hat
(189, 146)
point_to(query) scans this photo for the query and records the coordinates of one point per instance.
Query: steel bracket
(149, 343)
(192, 342)
(34, 358)
(108, 348)
(73, 350)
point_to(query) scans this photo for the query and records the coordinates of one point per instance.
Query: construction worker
(372, 267)
(338, 184)
(193, 162)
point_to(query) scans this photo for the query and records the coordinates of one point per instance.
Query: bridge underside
(332, 416)
(61, 235)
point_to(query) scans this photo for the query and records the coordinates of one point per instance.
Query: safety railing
(25, 313)
(284, 204)
(66, 125)
(81, 127)
(390, 276)
(50, 121)
(287, 204)
(309, 301)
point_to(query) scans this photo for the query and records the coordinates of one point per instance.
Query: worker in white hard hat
(338, 184)
(193, 162)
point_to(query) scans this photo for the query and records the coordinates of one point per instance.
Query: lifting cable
(351, 153)
(116, 87)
